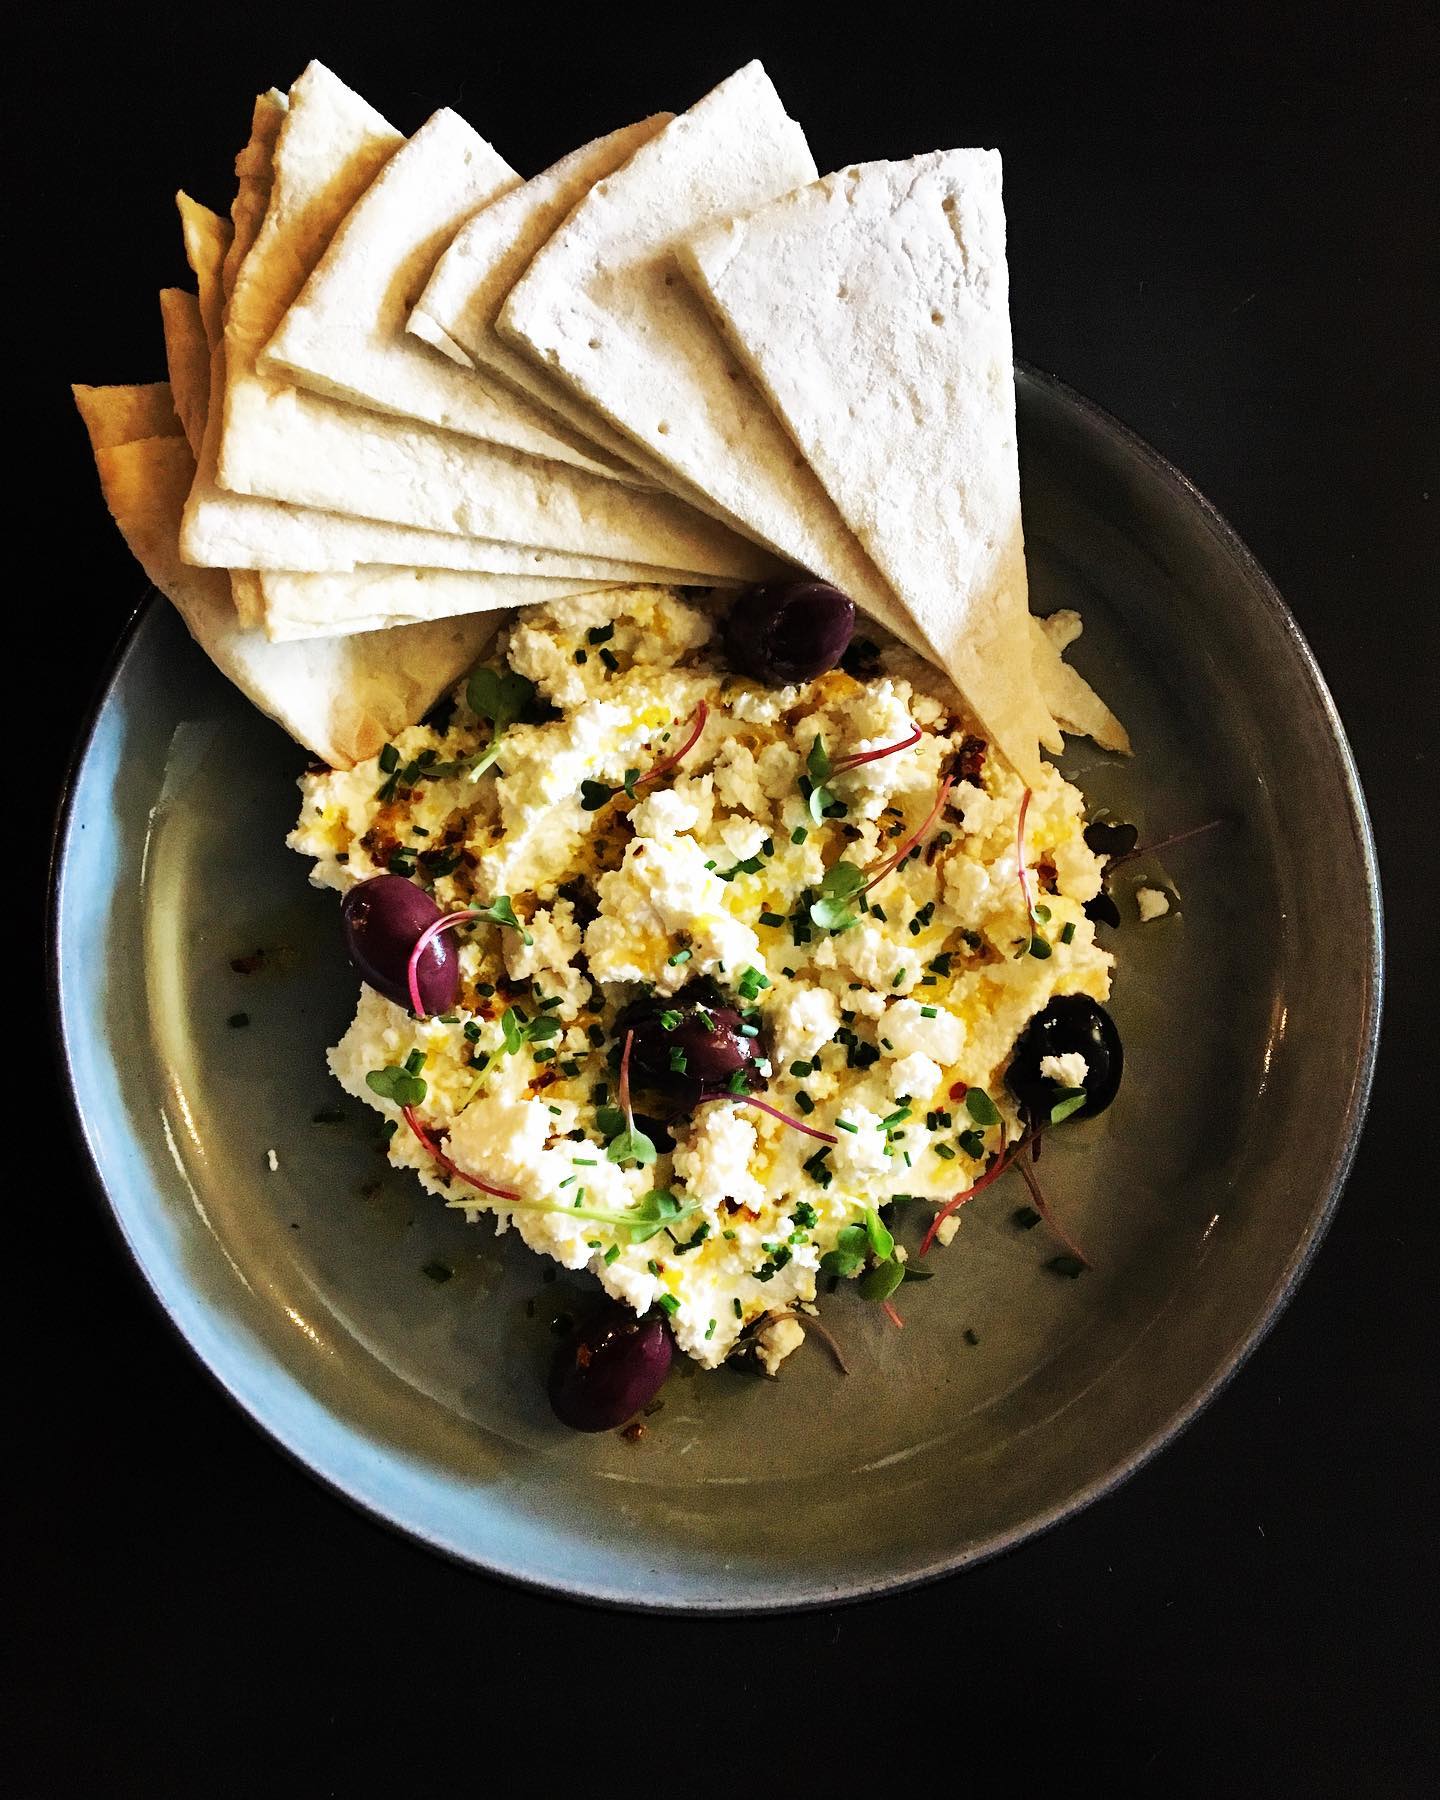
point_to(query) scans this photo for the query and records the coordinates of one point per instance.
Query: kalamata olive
(1109, 837)
(608, 1368)
(689, 1043)
(1070, 1023)
(383, 918)
(786, 631)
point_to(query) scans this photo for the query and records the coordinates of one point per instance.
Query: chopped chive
(1067, 936)
(669, 1305)
(804, 1102)
(929, 1012)
(797, 836)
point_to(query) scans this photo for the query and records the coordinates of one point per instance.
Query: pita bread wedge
(187, 356)
(207, 240)
(1068, 697)
(342, 698)
(457, 311)
(873, 308)
(281, 443)
(604, 307)
(345, 335)
(303, 606)
(116, 415)
(263, 534)
(254, 173)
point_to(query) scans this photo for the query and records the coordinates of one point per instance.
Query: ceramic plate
(1013, 1395)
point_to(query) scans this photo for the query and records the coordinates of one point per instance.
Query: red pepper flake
(971, 763)
(248, 965)
(633, 1432)
(959, 1090)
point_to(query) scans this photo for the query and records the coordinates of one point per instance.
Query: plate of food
(642, 997)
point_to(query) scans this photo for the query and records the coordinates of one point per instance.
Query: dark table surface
(1223, 227)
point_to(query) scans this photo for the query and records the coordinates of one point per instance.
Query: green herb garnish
(833, 910)
(981, 1108)
(501, 699)
(404, 1087)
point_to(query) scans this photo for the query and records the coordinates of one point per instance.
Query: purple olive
(383, 918)
(787, 631)
(610, 1366)
(1070, 1022)
(689, 1044)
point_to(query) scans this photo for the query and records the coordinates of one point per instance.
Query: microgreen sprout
(817, 765)
(631, 1145)
(595, 794)
(397, 1084)
(1069, 1101)
(833, 910)
(501, 699)
(498, 912)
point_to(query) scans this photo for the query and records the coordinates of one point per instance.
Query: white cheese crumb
(808, 1020)
(946, 1229)
(775, 1341)
(273, 1160)
(1070, 1070)
(1151, 903)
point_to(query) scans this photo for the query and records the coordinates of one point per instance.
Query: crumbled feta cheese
(714, 1160)
(1151, 903)
(808, 1019)
(1070, 1070)
(663, 814)
(924, 989)
(915, 1075)
(946, 1229)
(777, 1340)
(914, 1025)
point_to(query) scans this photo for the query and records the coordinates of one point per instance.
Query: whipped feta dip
(872, 1031)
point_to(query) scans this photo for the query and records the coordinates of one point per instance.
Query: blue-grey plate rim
(1280, 1294)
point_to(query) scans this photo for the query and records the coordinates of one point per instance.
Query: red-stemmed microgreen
(666, 763)
(451, 1167)
(1165, 843)
(857, 757)
(595, 794)
(1043, 1207)
(1023, 873)
(921, 832)
(821, 770)
(631, 1145)
(843, 882)
(498, 912)
(825, 1137)
(993, 1173)
(809, 1323)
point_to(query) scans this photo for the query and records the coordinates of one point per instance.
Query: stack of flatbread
(413, 391)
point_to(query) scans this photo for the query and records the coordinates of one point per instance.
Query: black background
(1223, 227)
